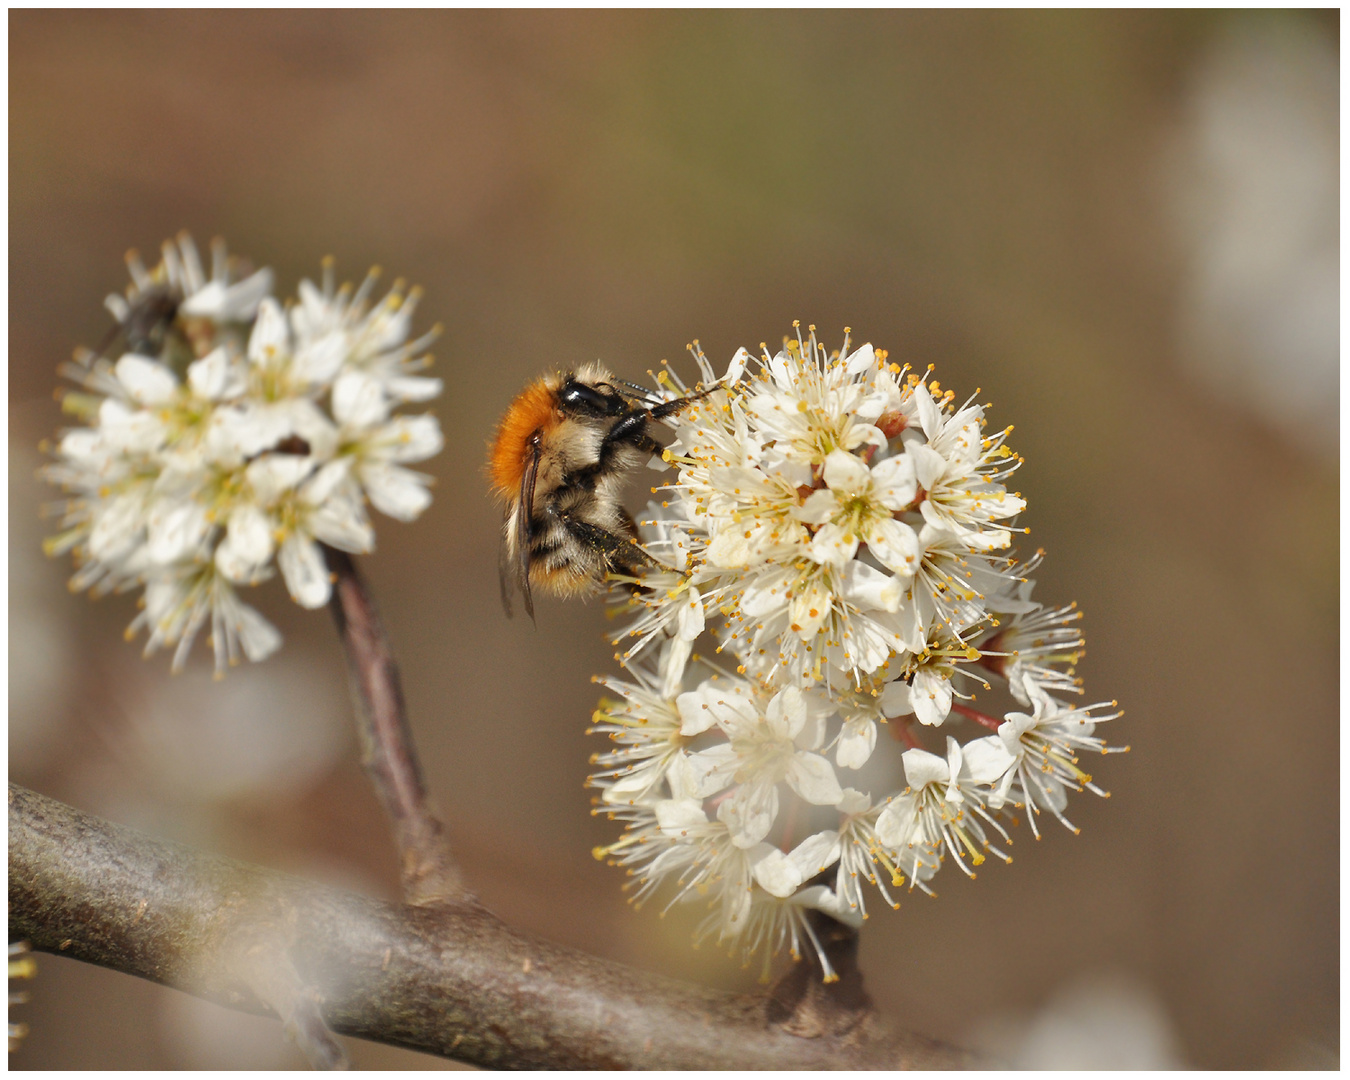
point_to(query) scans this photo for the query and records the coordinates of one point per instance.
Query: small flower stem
(428, 870)
(980, 718)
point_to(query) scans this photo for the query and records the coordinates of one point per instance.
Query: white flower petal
(118, 526)
(210, 375)
(930, 416)
(134, 431)
(857, 740)
(821, 505)
(696, 715)
(737, 366)
(272, 475)
(954, 768)
(898, 820)
(809, 608)
(847, 472)
(673, 663)
(677, 816)
(931, 696)
(175, 528)
(894, 484)
(229, 303)
(929, 465)
(895, 545)
(406, 439)
(749, 812)
(816, 853)
(823, 898)
(777, 874)
(833, 545)
(271, 339)
(395, 491)
(341, 522)
(689, 619)
(319, 488)
(853, 802)
(358, 400)
(767, 593)
(147, 381)
(812, 777)
(259, 638)
(683, 784)
(987, 759)
(895, 699)
(923, 768)
(713, 769)
(868, 587)
(786, 714)
(247, 545)
(306, 575)
(318, 363)
(860, 360)
(793, 473)
(413, 388)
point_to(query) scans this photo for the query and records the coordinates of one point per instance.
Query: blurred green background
(1122, 227)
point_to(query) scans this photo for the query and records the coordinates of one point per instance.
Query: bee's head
(578, 394)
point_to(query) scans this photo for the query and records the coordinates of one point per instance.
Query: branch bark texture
(428, 870)
(447, 979)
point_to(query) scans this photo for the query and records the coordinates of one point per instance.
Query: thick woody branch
(447, 979)
(428, 870)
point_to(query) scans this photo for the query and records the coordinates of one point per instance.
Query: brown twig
(449, 980)
(429, 873)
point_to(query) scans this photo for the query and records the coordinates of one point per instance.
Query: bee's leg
(670, 408)
(619, 552)
(629, 430)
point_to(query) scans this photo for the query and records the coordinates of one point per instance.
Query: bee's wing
(514, 564)
(506, 571)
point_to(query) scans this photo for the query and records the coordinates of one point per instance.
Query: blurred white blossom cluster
(231, 434)
(839, 528)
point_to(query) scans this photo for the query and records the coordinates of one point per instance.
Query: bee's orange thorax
(535, 409)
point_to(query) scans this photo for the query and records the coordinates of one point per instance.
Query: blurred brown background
(1121, 227)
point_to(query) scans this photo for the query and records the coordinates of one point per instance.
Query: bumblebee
(559, 459)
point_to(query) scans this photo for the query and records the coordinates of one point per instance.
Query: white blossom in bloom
(766, 745)
(835, 528)
(646, 728)
(858, 506)
(1037, 653)
(234, 436)
(373, 338)
(1033, 761)
(940, 811)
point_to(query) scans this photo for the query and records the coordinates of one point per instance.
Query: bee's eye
(580, 396)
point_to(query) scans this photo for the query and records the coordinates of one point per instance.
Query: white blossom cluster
(838, 527)
(233, 433)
